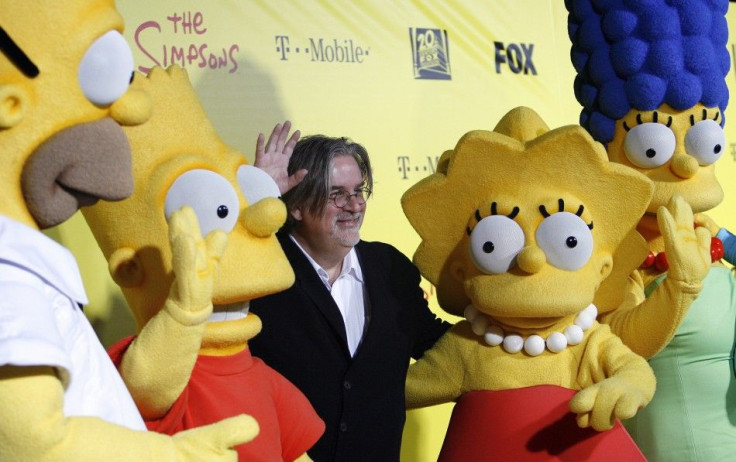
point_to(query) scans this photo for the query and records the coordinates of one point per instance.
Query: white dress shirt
(348, 291)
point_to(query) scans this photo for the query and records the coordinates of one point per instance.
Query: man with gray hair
(345, 331)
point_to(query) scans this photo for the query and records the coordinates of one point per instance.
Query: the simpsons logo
(431, 53)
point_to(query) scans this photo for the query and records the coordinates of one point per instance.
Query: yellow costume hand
(194, 260)
(687, 248)
(599, 405)
(213, 442)
(707, 222)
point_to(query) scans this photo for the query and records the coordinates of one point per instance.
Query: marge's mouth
(230, 312)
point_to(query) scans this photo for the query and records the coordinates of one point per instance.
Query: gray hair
(316, 154)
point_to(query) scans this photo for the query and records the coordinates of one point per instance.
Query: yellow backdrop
(404, 78)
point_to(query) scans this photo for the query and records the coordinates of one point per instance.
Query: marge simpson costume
(190, 363)
(651, 79)
(64, 75)
(519, 229)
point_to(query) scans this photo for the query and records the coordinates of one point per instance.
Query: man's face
(337, 227)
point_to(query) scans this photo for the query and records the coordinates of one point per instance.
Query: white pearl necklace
(533, 345)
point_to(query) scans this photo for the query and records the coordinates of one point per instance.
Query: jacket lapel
(309, 282)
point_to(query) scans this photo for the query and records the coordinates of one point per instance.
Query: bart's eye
(494, 244)
(212, 197)
(105, 70)
(705, 141)
(649, 145)
(256, 184)
(566, 240)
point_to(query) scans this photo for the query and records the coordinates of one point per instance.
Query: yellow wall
(347, 68)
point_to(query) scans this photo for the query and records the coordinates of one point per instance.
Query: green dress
(693, 414)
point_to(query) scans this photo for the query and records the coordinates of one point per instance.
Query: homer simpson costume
(190, 364)
(519, 240)
(64, 75)
(651, 80)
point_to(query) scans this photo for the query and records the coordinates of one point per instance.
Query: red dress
(529, 424)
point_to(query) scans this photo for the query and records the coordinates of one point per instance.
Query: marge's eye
(256, 184)
(566, 240)
(105, 70)
(494, 243)
(705, 141)
(212, 197)
(649, 145)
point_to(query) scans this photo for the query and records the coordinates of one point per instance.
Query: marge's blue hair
(640, 54)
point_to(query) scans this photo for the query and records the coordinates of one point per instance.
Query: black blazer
(361, 399)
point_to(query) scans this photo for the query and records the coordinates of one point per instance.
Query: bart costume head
(522, 229)
(181, 161)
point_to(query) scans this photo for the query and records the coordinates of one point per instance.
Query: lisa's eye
(256, 184)
(495, 242)
(649, 145)
(566, 240)
(105, 70)
(212, 197)
(705, 141)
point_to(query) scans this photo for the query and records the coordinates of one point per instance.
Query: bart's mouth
(230, 312)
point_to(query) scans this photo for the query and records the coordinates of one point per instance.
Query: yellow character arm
(615, 382)
(648, 324)
(437, 376)
(157, 366)
(34, 429)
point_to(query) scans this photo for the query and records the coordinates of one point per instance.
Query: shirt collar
(30, 249)
(350, 264)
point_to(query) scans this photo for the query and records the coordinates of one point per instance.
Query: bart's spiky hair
(521, 154)
(642, 54)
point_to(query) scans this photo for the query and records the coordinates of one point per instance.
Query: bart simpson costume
(517, 239)
(190, 363)
(64, 75)
(651, 79)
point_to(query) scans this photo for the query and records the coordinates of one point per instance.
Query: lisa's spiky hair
(521, 154)
(642, 54)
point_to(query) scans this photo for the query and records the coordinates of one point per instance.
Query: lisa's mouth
(230, 312)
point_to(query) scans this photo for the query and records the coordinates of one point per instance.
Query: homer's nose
(133, 108)
(683, 165)
(531, 259)
(265, 217)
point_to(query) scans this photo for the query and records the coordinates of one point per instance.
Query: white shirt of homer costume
(42, 324)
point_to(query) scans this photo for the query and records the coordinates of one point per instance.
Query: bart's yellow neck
(225, 338)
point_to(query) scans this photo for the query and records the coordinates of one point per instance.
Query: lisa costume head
(651, 80)
(179, 160)
(523, 223)
(63, 96)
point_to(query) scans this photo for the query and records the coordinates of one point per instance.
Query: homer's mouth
(83, 199)
(230, 312)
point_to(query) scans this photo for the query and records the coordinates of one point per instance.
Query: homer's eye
(494, 244)
(566, 240)
(256, 184)
(705, 141)
(105, 70)
(649, 145)
(212, 197)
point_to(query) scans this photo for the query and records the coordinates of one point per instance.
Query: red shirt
(225, 386)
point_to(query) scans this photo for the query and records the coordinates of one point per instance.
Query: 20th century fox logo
(431, 53)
